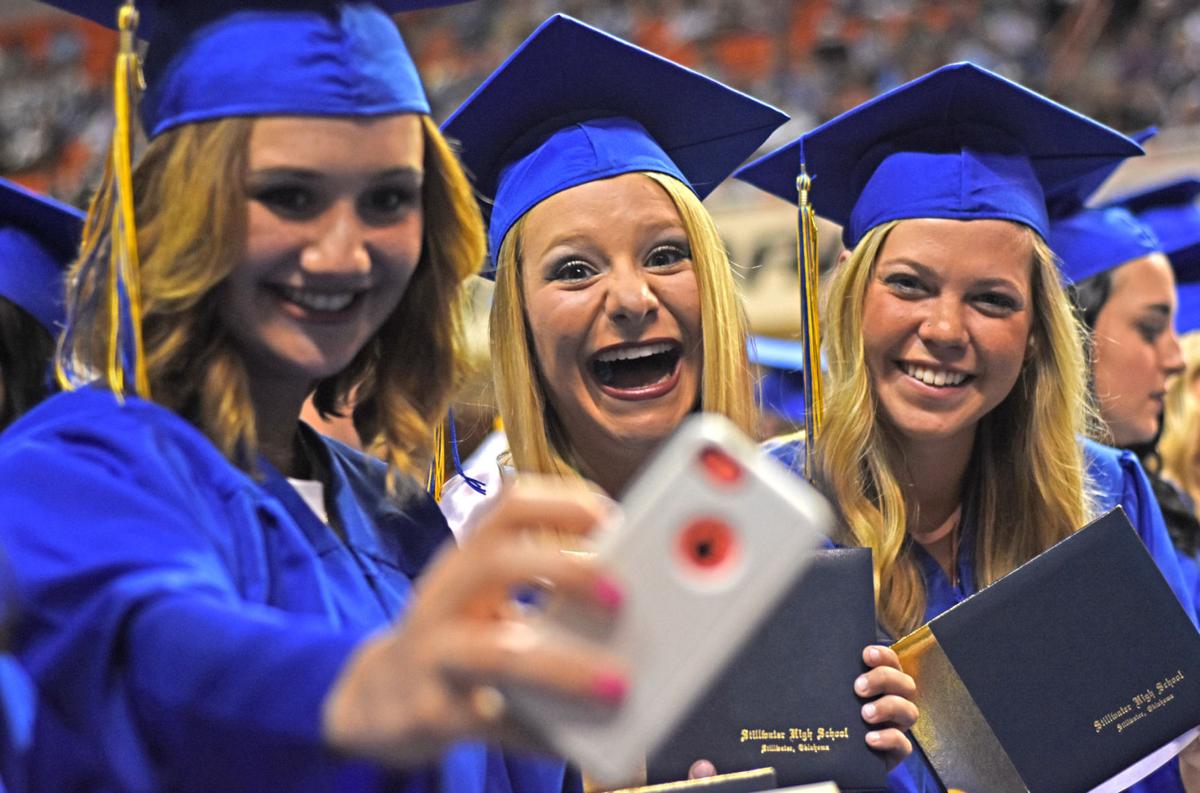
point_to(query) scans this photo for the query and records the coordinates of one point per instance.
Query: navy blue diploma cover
(1067, 672)
(787, 699)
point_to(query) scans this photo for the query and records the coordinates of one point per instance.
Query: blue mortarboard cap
(960, 143)
(781, 387)
(1068, 198)
(1090, 241)
(1093, 241)
(218, 59)
(38, 238)
(1170, 211)
(573, 104)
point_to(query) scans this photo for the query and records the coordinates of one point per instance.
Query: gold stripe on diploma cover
(764, 775)
(951, 729)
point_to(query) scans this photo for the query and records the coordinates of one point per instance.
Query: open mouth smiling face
(614, 311)
(637, 371)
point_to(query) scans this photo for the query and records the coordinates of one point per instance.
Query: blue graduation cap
(1089, 241)
(959, 143)
(1093, 241)
(221, 58)
(1171, 212)
(781, 387)
(38, 239)
(574, 104)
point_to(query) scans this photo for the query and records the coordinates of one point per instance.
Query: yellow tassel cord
(114, 201)
(437, 469)
(808, 265)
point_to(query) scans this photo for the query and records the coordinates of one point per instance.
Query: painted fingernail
(872, 737)
(610, 687)
(608, 594)
(861, 685)
(868, 711)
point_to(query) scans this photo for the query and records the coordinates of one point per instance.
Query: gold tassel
(437, 469)
(808, 266)
(113, 205)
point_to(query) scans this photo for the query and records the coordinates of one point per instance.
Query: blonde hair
(1027, 467)
(537, 440)
(1179, 447)
(191, 233)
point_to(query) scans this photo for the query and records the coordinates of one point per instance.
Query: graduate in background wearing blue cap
(956, 392)
(1124, 289)
(212, 596)
(1123, 286)
(38, 238)
(1171, 212)
(615, 313)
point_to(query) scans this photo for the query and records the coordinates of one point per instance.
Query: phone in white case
(710, 534)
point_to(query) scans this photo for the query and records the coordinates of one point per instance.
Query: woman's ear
(841, 259)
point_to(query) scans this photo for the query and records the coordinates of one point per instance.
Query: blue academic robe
(183, 621)
(1118, 480)
(16, 719)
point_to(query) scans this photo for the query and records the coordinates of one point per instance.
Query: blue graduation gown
(1118, 479)
(16, 719)
(183, 622)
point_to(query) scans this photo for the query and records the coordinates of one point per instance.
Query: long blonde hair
(1179, 446)
(537, 440)
(191, 233)
(1027, 465)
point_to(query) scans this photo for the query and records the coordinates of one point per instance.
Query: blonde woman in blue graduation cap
(956, 397)
(212, 596)
(615, 312)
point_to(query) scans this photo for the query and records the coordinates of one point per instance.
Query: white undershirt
(313, 493)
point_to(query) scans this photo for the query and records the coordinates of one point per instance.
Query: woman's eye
(1150, 331)
(572, 270)
(667, 255)
(998, 302)
(388, 202)
(286, 200)
(903, 283)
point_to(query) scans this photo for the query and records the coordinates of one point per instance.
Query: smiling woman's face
(946, 323)
(334, 233)
(614, 311)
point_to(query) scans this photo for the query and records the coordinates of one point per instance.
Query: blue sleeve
(1120, 481)
(914, 775)
(144, 651)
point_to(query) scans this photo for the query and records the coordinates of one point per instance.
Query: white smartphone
(710, 534)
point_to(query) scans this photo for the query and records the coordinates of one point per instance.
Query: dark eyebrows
(298, 174)
(414, 176)
(1160, 308)
(929, 273)
(407, 173)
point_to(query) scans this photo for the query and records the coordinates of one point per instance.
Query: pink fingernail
(872, 737)
(873, 654)
(868, 711)
(610, 687)
(608, 594)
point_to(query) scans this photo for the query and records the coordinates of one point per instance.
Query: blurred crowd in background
(1129, 63)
